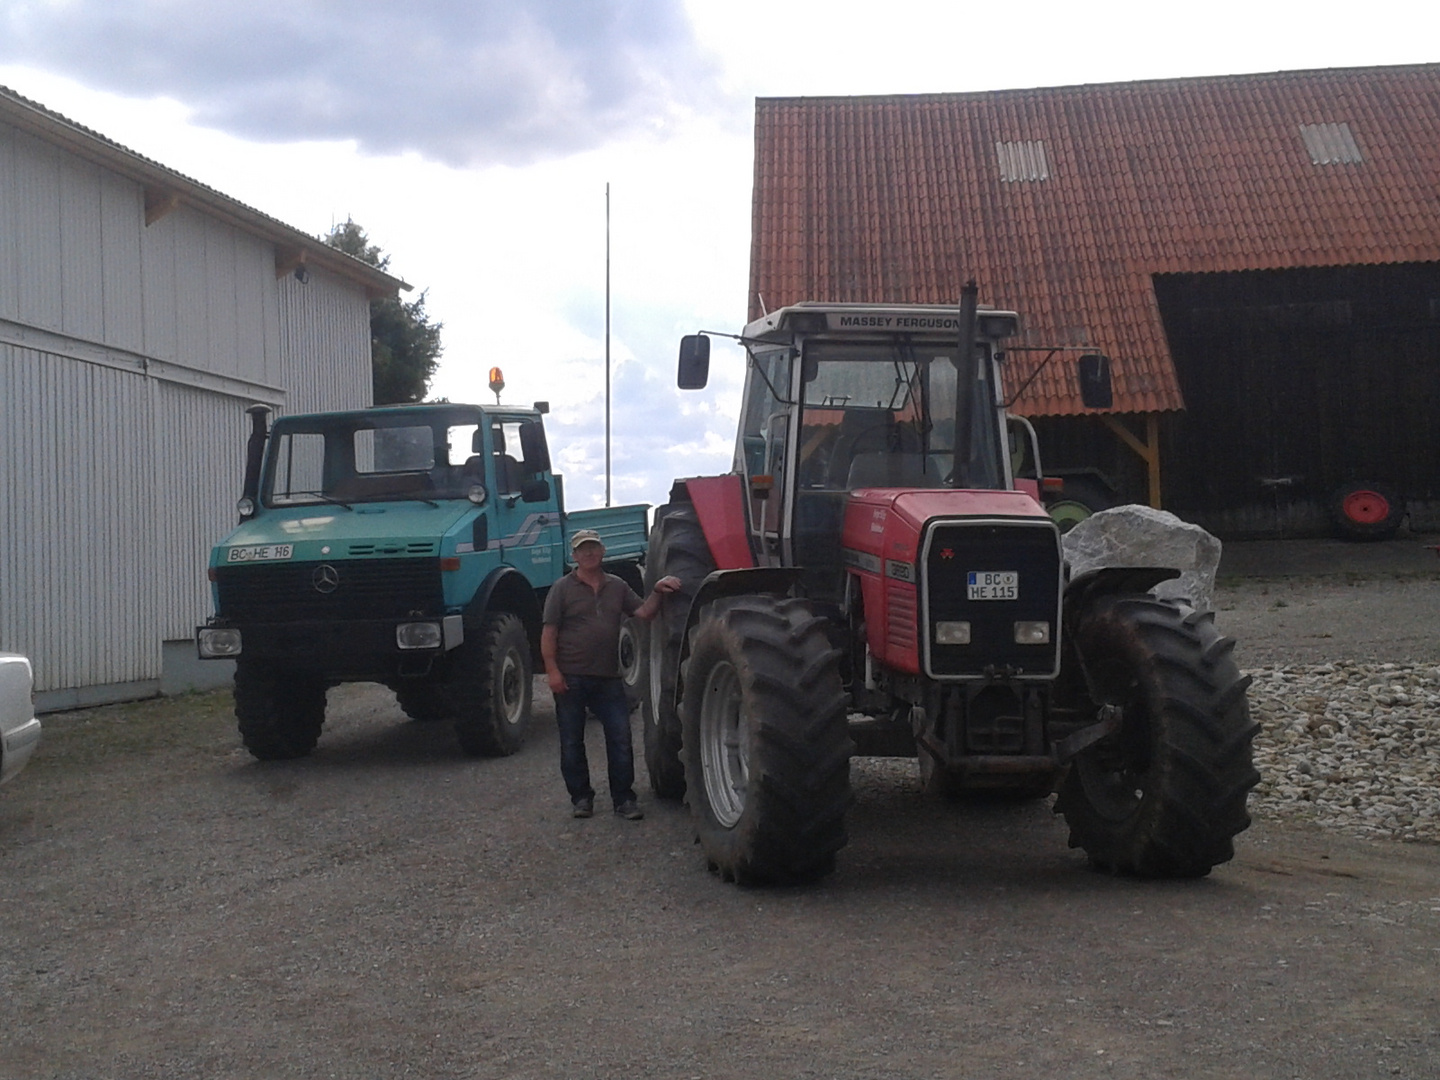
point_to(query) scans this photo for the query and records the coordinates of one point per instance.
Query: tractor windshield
(885, 415)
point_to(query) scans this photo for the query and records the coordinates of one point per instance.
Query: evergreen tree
(404, 343)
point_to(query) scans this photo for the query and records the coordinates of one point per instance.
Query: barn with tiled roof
(1259, 256)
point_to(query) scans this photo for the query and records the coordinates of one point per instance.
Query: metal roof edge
(983, 95)
(164, 188)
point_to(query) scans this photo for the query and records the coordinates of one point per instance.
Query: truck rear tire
(766, 749)
(279, 710)
(489, 688)
(1164, 796)
(677, 547)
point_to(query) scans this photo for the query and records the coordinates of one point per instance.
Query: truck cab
(403, 545)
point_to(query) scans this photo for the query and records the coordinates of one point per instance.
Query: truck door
(529, 531)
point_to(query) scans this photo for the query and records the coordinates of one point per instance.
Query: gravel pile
(1352, 746)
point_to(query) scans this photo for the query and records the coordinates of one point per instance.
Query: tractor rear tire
(489, 687)
(1367, 511)
(677, 547)
(766, 748)
(1165, 795)
(279, 710)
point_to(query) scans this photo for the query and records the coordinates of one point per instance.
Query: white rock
(1136, 535)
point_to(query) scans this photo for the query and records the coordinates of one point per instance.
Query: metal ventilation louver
(1331, 144)
(1022, 161)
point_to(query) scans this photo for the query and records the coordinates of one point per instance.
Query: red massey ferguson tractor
(871, 579)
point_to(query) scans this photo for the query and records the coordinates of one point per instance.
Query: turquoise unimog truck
(408, 545)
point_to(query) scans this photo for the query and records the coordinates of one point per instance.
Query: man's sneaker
(630, 811)
(583, 808)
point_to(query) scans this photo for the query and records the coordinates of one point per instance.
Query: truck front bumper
(363, 646)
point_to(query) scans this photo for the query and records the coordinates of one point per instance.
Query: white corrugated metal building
(140, 313)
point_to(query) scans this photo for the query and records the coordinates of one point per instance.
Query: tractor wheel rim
(1366, 507)
(723, 756)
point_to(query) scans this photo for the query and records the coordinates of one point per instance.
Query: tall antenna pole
(607, 343)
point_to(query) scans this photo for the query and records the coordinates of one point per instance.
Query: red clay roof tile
(902, 199)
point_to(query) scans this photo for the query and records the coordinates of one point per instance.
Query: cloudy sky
(474, 139)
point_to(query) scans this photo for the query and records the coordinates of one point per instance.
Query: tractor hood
(333, 532)
(887, 522)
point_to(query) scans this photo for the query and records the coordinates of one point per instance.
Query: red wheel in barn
(1367, 511)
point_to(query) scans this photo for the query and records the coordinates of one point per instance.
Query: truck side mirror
(532, 446)
(1095, 389)
(694, 370)
(535, 491)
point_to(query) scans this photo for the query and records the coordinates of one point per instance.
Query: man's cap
(585, 536)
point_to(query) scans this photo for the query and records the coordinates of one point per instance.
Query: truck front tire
(489, 688)
(766, 747)
(279, 710)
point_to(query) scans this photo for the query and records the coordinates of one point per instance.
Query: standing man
(580, 644)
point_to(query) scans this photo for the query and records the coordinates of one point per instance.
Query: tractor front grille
(342, 589)
(952, 550)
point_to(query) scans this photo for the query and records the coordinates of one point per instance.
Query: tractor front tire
(1165, 795)
(677, 548)
(766, 749)
(489, 688)
(279, 710)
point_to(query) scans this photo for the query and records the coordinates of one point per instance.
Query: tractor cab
(841, 397)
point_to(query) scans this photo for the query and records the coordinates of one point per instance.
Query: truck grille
(362, 589)
(955, 548)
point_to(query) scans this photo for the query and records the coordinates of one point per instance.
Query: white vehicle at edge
(19, 730)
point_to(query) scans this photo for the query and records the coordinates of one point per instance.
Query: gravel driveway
(386, 908)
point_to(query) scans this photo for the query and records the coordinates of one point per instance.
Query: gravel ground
(387, 908)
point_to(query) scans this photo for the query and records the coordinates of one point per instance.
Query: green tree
(404, 343)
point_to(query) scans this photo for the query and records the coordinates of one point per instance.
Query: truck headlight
(418, 635)
(217, 642)
(1032, 633)
(952, 633)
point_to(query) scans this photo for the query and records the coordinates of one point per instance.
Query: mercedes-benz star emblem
(325, 578)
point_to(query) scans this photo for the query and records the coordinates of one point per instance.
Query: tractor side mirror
(1095, 389)
(694, 370)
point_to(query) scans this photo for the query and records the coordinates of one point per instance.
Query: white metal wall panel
(39, 287)
(160, 302)
(199, 468)
(122, 218)
(77, 514)
(9, 224)
(82, 302)
(325, 345)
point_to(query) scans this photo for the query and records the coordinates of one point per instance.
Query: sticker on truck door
(260, 553)
(992, 585)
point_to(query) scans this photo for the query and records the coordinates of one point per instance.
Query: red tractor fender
(719, 503)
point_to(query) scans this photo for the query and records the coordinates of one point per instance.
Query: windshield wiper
(322, 496)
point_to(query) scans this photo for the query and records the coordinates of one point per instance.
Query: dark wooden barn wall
(1311, 377)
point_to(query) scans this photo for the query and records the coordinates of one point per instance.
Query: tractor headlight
(217, 642)
(952, 633)
(245, 506)
(418, 635)
(1032, 633)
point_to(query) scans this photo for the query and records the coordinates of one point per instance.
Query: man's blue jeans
(605, 698)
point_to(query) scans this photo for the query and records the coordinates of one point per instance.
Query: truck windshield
(349, 458)
(884, 415)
